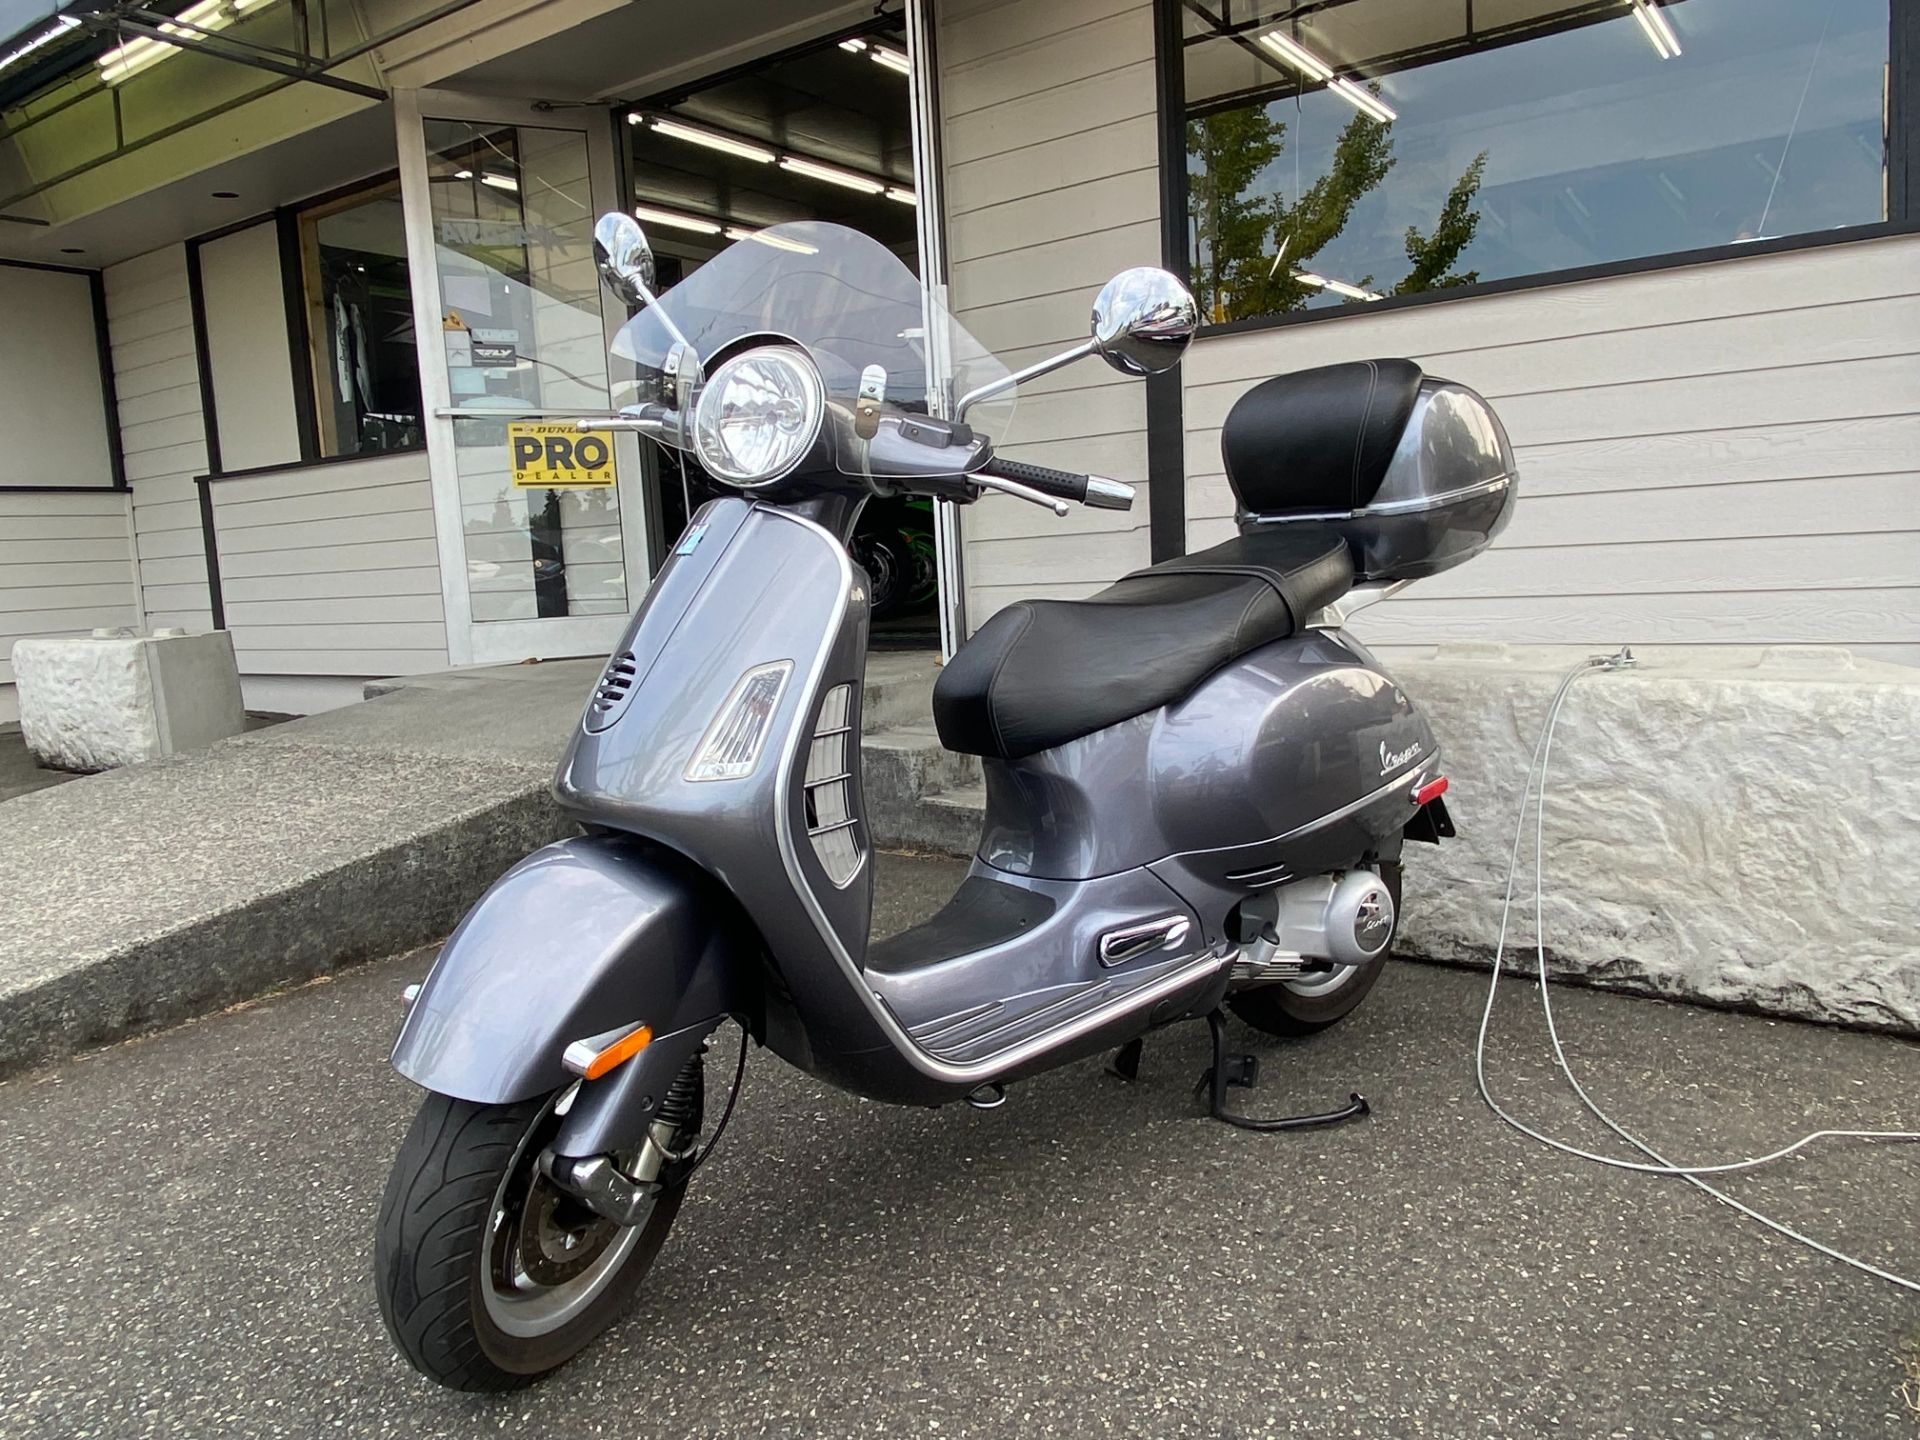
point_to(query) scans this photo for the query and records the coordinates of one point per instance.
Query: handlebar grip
(1094, 490)
(1063, 483)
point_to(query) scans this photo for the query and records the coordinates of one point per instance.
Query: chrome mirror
(1142, 321)
(625, 259)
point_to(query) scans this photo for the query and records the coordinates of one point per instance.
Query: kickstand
(1125, 1064)
(1244, 1071)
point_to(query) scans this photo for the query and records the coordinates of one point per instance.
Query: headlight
(759, 415)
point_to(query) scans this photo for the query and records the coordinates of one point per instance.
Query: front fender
(576, 939)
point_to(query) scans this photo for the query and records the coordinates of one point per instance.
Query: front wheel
(1312, 1002)
(489, 1275)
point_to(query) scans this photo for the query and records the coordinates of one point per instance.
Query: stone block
(119, 698)
(1733, 831)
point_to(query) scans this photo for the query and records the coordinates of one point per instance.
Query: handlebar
(1094, 490)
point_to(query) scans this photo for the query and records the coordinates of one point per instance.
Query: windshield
(851, 301)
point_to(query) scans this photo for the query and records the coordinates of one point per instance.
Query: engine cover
(1345, 919)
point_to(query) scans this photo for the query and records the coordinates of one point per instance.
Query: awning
(27, 27)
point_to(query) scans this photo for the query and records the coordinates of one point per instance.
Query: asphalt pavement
(186, 1224)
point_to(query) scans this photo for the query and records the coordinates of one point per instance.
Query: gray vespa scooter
(1198, 786)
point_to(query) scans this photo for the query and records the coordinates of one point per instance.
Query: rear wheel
(489, 1275)
(1312, 1002)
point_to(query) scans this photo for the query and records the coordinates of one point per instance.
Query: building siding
(162, 432)
(65, 567)
(1719, 454)
(1048, 141)
(332, 569)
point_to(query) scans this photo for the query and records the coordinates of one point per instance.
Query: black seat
(1043, 672)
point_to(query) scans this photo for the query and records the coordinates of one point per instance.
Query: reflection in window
(1387, 147)
(366, 371)
(524, 339)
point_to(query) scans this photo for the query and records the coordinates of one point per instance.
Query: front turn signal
(599, 1054)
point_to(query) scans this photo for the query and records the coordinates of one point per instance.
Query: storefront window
(366, 371)
(1338, 154)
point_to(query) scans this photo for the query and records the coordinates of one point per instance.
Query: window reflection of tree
(1250, 245)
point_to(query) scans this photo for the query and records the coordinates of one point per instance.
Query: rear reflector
(1432, 790)
(593, 1058)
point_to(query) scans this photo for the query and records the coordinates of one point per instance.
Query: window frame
(293, 283)
(1902, 193)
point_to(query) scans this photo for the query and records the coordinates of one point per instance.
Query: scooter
(1198, 785)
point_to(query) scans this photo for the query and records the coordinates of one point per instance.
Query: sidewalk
(150, 894)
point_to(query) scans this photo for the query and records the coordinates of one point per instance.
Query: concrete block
(1737, 832)
(119, 698)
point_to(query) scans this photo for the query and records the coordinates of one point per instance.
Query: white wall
(247, 349)
(161, 431)
(53, 419)
(65, 567)
(1724, 454)
(1050, 152)
(332, 569)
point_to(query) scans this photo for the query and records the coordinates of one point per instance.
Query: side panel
(1271, 746)
(577, 939)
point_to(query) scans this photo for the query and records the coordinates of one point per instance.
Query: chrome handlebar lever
(1019, 491)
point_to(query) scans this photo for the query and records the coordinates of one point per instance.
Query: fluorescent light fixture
(1338, 287)
(816, 171)
(713, 140)
(463, 174)
(61, 25)
(853, 46)
(893, 59)
(499, 181)
(1659, 29)
(675, 220)
(778, 242)
(1362, 99)
(136, 55)
(905, 197)
(1297, 55)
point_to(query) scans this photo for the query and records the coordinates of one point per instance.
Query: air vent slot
(832, 827)
(610, 696)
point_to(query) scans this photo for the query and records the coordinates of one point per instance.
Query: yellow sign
(555, 456)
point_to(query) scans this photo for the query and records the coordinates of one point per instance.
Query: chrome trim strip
(1390, 507)
(1143, 997)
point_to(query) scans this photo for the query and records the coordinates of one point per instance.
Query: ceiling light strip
(814, 170)
(750, 150)
(677, 220)
(1363, 99)
(135, 55)
(1319, 72)
(61, 25)
(1297, 55)
(1659, 30)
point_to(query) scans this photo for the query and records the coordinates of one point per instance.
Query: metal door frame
(471, 642)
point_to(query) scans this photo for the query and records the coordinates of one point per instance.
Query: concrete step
(905, 769)
(898, 689)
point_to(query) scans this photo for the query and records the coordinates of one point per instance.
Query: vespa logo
(1371, 921)
(1394, 759)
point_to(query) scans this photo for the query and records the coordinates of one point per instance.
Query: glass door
(543, 549)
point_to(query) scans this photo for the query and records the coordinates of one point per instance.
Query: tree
(1249, 245)
(1433, 255)
(1232, 147)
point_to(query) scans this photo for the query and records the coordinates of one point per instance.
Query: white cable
(1542, 754)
